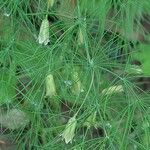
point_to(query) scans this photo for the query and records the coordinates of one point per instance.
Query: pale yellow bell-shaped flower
(134, 69)
(43, 37)
(50, 86)
(69, 131)
(113, 89)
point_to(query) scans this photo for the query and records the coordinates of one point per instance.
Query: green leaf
(7, 86)
(143, 55)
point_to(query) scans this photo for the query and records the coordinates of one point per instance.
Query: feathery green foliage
(86, 69)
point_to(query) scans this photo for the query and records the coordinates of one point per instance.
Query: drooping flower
(134, 69)
(69, 130)
(43, 37)
(50, 86)
(113, 89)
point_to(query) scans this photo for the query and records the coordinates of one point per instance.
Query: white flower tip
(6, 14)
(46, 42)
(43, 41)
(68, 140)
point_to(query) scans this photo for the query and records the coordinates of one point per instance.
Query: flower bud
(77, 86)
(80, 37)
